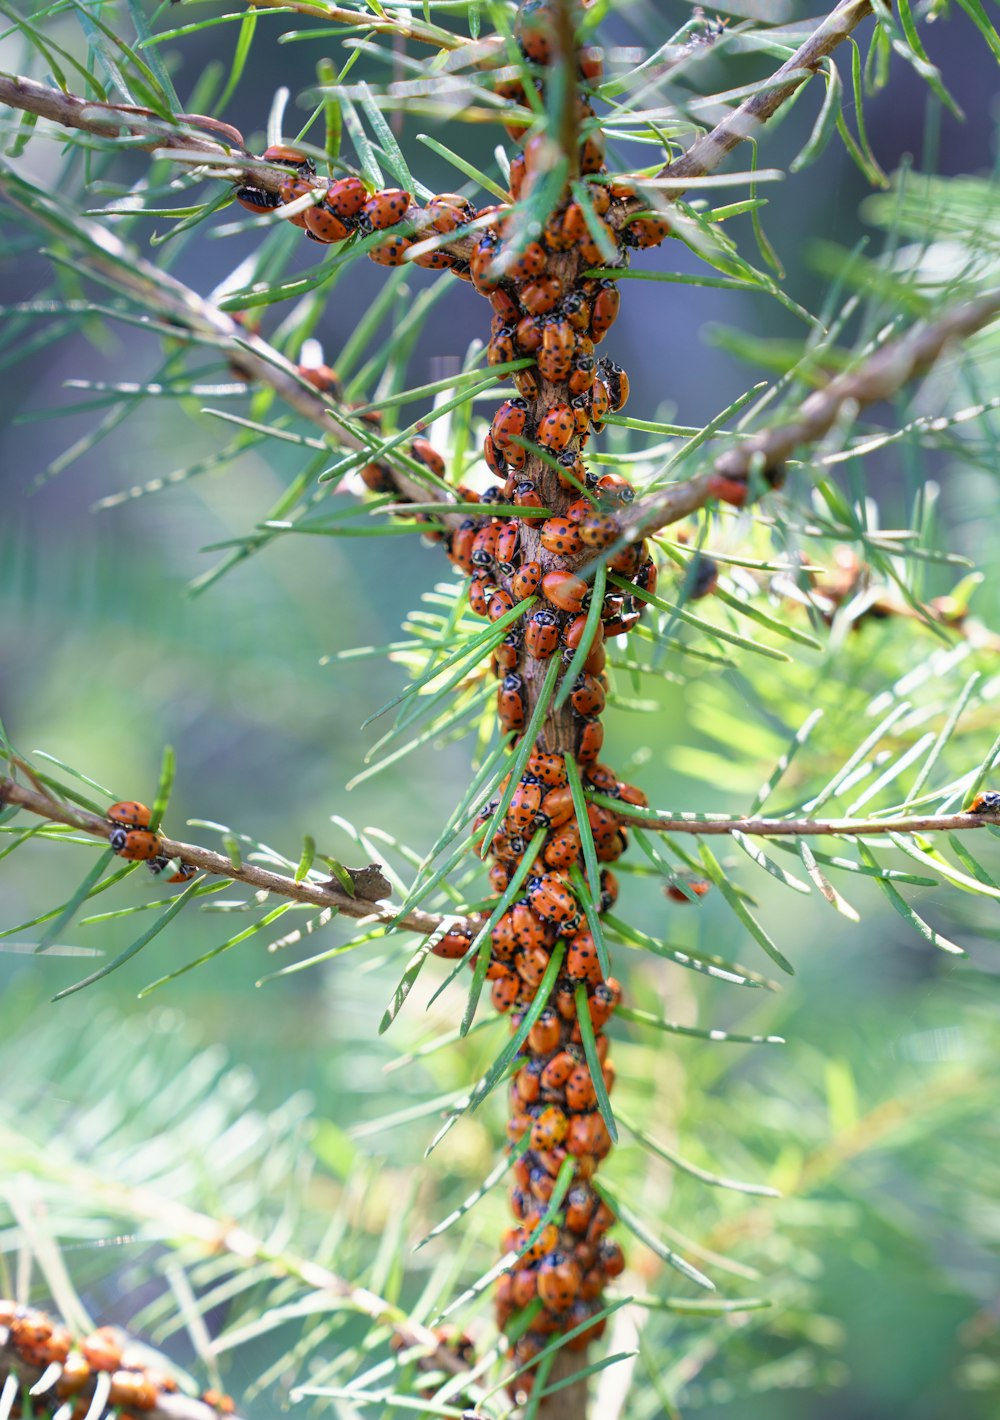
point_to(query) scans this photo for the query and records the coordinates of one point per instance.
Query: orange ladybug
(565, 591)
(384, 209)
(129, 814)
(556, 428)
(136, 843)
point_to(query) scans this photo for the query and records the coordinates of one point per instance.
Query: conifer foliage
(561, 552)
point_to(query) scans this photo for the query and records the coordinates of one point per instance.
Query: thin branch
(113, 261)
(707, 152)
(878, 378)
(806, 827)
(261, 879)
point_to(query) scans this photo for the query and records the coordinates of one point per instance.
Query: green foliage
(874, 1145)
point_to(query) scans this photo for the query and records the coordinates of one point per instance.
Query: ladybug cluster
(70, 1367)
(553, 303)
(553, 1099)
(131, 837)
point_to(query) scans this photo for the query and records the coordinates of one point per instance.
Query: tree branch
(112, 261)
(316, 894)
(707, 152)
(802, 827)
(880, 377)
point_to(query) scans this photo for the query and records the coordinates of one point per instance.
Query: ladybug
(288, 157)
(324, 225)
(425, 453)
(481, 590)
(549, 1129)
(528, 333)
(516, 176)
(728, 490)
(531, 965)
(524, 1286)
(616, 382)
(508, 538)
(257, 199)
(549, 768)
(564, 849)
(526, 494)
(580, 405)
(528, 1081)
(557, 1071)
(576, 312)
(572, 637)
(630, 794)
(321, 377)
(557, 806)
(556, 427)
(603, 779)
(529, 929)
(541, 1184)
(460, 548)
(484, 545)
(559, 340)
(508, 423)
(500, 350)
(551, 898)
(102, 1349)
(583, 372)
(602, 1003)
(183, 872)
(132, 1389)
(611, 1259)
(605, 312)
(587, 696)
(505, 307)
(453, 945)
(582, 963)
(391, 252)
(646, 231)
(499, 604)
(591, 739)
(482, 268)
(591, 154)
(526, 580)
(600, 404)
(561, 536)
(580, 1201)
(346, 197)
(448, 211)
(566, 591)
(558, 1281)
(129, 814)
(526, 800)
(985, 803)
(541, 636)
(504, 992)
(580, 1092)
(290, 190)
(495, 461)
(613, 488)
(527, 384)
(508, 652)
(598, 530)
(139, 844)
(543, 1038)
(534, 27)
(541, 296)
(384, 209)
(531, 262)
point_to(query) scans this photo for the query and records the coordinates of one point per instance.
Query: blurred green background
(877, 1119)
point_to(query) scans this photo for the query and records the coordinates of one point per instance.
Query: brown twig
(707, 152)
(261, 879)
(878, 378)
(805, 827)
(111, 260)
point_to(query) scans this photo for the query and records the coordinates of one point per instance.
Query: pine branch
(804, 827)
(707, 152)
(38, 802)
(111, 260)
(879, 378)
